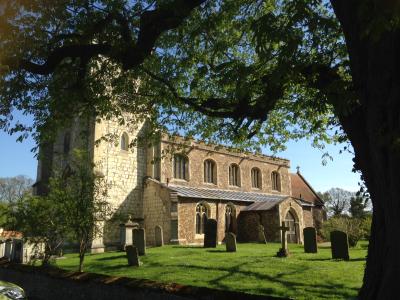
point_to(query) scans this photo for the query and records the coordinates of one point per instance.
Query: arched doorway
(291, 234)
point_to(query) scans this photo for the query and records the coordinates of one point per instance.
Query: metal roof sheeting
(218, 194)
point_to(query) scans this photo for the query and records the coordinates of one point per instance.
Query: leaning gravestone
(230, 242)
(132, 255)
(210, 234)
(139, 240)
(159, 236)
(310, 240)
(261, 235)
(339, 245)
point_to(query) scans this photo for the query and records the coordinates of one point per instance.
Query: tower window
(210, 171)
(276, 181)
(124, 141)
(256, 178)
(234, 175)
(181, 167)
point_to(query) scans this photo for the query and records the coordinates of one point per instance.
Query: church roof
(263, 205)
(301, 189)
(219, 194)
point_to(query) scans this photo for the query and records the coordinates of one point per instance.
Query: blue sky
(17, 159)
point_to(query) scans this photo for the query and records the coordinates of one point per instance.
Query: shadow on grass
(188, 247)
(333, 260)
(112, 257)
(328, 290)
(217, 251)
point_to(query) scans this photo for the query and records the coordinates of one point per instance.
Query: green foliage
(82, 192)
(352, 226)
(244, 73)
(41, 220)
(254, 266)
(357, 207)
(366, 225)
(74, 208)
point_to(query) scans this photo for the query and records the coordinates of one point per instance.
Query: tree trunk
(373, 127)
(82, 252)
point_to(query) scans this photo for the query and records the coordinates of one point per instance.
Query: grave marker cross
(283, 252)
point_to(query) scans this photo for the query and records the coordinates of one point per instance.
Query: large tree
(250, 72)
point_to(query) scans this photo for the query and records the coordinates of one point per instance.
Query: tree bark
(373, 128)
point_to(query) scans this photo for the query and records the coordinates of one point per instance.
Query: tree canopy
(217, 76)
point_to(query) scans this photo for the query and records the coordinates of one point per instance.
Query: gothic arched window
(276, 181)
(124, 141)
(230, 218)
(210, 171)
(256, 178)
(181, 167)
(234, 175)
(202, 214)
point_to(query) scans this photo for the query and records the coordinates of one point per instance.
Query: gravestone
(139, 240)
(126, 237)
(8, 249)
(230, 242)
(210, 234)
(16, 255)
(284, 251)
(261, 234)
(310, 240)
(132, 255)
(339, 245)
(159, 236)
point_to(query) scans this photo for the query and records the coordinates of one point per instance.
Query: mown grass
(252, 269)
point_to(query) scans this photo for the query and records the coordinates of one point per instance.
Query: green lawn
(252, 269)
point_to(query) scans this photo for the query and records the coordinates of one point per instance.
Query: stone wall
(308, 217)
(157, 210)
(319, 216)
(270, 221)
(124, 171)
(198, 152)
(187, 219)
(248, 221)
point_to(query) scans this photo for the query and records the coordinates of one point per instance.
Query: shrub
(352, 226)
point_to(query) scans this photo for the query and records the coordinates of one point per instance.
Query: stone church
(178, 184)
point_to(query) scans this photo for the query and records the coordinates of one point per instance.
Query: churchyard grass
(252, 269)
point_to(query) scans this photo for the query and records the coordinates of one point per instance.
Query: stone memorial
(126, 237)
(210, 234)
(339, 245)
(139, 240)
(132, 255)
(261, 234)
(17, 253)
(284, 251)
(159, 236)
(230, 242)
(8, 248)
(310, 240)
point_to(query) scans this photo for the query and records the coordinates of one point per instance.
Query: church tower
(111, 145)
